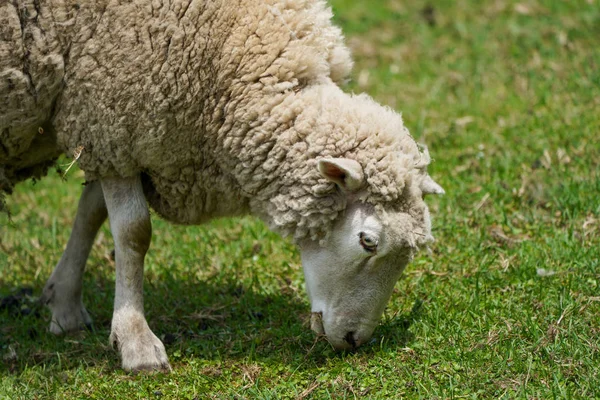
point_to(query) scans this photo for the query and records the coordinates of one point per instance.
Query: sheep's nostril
(349, 338)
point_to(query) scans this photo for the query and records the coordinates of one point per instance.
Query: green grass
(507, 97)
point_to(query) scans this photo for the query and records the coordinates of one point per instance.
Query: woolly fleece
(224, 107)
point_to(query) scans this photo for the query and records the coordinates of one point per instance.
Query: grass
(506, 305)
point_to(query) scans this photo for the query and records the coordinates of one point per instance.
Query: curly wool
(31, 70)
(224, 107)
(296, 198)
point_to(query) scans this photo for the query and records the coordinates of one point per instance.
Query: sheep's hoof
(68, 315)
(144, 352)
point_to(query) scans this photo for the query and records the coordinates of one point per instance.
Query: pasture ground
(506, 305)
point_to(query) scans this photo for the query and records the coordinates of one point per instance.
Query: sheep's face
(350, 277)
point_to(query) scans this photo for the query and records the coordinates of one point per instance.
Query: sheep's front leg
(63, 290)
(131, 228)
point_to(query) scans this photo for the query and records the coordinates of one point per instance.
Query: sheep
(204, 109)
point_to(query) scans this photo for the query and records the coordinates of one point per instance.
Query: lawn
(506, 304)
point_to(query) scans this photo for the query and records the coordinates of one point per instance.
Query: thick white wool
(224, 107)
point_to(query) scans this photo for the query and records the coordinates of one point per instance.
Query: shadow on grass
(195, 319)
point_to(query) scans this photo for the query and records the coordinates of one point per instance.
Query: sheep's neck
(274, 145)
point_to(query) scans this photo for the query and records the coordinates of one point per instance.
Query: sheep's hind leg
(63, 290)
(131, 228)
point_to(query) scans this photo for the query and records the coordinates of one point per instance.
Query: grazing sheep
(205, 109)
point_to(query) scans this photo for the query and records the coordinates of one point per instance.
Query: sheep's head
(350, 275)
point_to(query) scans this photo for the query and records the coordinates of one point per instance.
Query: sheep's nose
(351, 339)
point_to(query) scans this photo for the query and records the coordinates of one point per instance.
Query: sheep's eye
(368, 243)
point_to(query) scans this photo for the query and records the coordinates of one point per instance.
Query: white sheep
(205, 109)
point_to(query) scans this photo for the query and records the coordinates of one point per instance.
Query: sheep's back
(175, 89)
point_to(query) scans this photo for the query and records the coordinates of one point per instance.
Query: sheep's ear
(429, 186)
(346, 173)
